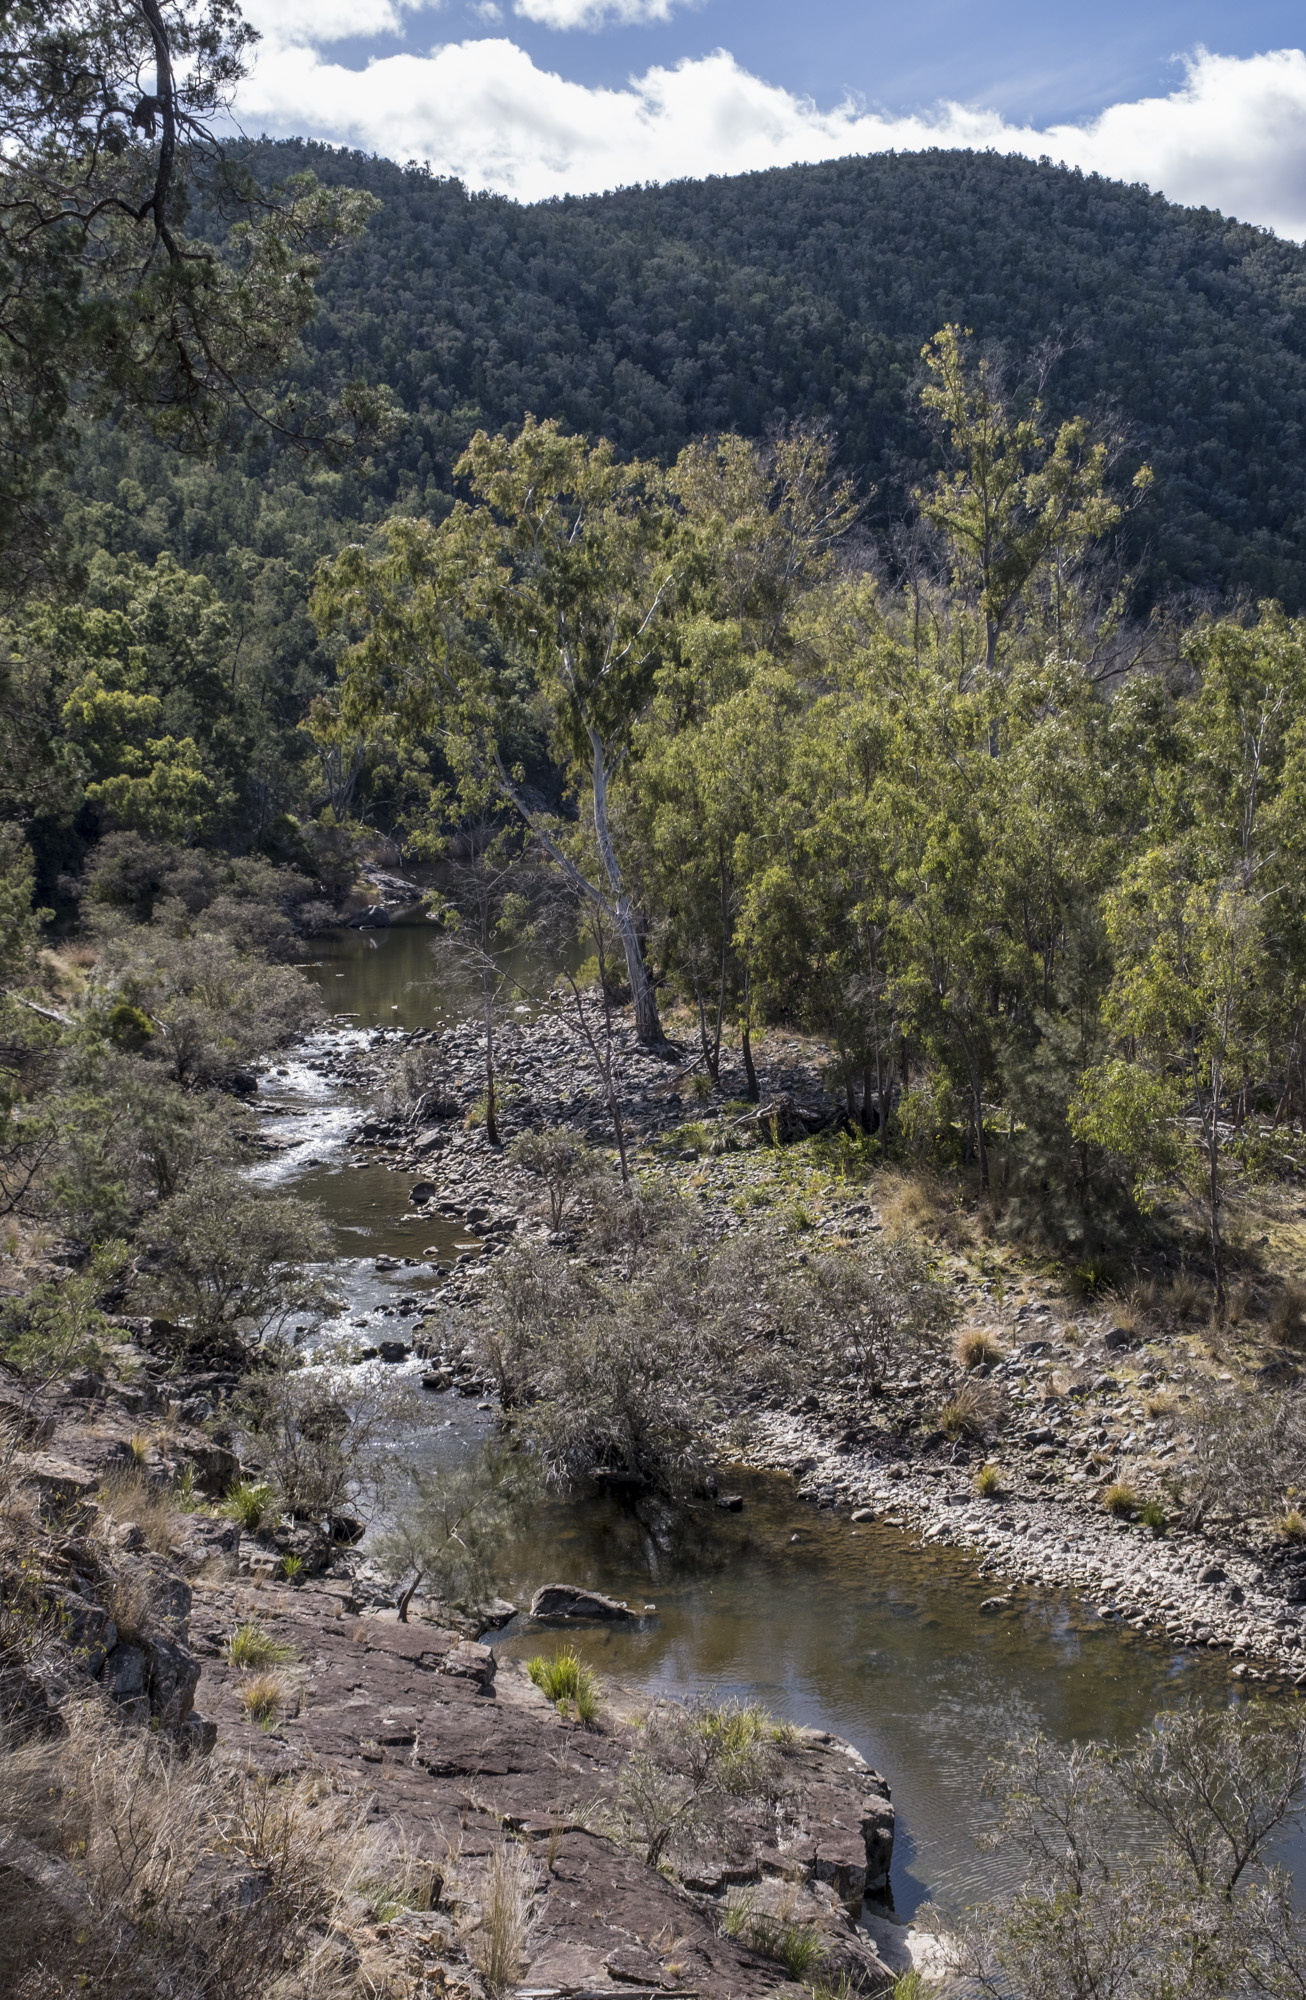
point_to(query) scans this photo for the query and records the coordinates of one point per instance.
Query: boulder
(174, 1675)
(569, 1600)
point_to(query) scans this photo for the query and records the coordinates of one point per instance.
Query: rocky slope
(442, 1750)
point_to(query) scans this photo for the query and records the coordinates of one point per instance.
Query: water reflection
(859, 1631)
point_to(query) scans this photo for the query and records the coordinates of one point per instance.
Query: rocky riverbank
(1086, 1401)
(175, 1622)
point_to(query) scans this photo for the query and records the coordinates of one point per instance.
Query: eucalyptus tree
(553, 597)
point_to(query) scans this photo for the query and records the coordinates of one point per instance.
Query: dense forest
(655, 315)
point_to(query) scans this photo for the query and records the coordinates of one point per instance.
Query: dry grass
(499, 1918)
(1160, 1403)
(976, 1410)
(1185, 1301)
(917, 1204)
(1291, 1527)
(263, 1697)
(977, 1347)
(146, 1875)
(1288, 1314)
(125, 1496)
(1120, 1500)
(988, 1482)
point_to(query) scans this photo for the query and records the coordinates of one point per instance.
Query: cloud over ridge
(1231, 135)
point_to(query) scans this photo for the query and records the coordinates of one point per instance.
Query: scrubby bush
(453, 1532)
(675, 1792)
(227, 1263)
(561, 1162)
(1146, 1869)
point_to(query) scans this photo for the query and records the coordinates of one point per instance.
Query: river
(857, 1629)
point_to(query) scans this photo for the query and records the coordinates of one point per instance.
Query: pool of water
(853, 1628)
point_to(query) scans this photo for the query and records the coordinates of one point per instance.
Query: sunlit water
(855, 1629)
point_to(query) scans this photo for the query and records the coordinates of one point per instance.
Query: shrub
(558, 1159)
(1120, 1499)
(988, 1482)
(565, 1679)
(251, 1646)
(251, 1503)
(977, 1348)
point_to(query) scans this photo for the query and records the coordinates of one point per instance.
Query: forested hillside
(654, 315)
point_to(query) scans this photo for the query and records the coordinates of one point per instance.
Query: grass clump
(1291, 1527)
(1153, 1515)
(1120, 1500)
(988, 1482)
(496, 1941)
(978, 1348)
(974, 1411)
(262, 1699)
(250, 1645)
(799, 1947)
(251, 1503)
(565, 1680)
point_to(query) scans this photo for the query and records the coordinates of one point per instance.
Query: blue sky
(1044, 63)
(535, 97)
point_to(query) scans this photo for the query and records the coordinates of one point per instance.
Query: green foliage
(453, 1532)
(251, 1645)
(565, 1680)
(58, 1328)
(252, 1503)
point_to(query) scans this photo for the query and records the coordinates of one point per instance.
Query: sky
(1204, 102)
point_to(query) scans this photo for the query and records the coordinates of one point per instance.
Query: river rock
(569, 1600)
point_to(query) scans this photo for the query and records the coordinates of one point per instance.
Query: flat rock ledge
(451, 1750)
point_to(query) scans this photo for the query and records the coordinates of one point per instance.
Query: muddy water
(855, 1629)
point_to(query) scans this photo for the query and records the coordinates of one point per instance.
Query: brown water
(855, 1629)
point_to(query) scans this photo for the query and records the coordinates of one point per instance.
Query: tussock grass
(263, 1697)
(988, 1482)
(1120, 1500)
(250, 1645)
(126, 1496)
(251, 1503)
(567, 1682)
(500, 1920)
(976, 1347)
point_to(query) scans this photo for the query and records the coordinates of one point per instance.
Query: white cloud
(594, 13)
(1232, 135)
(301, 23)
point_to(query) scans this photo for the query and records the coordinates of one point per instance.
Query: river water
(852, 1628)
